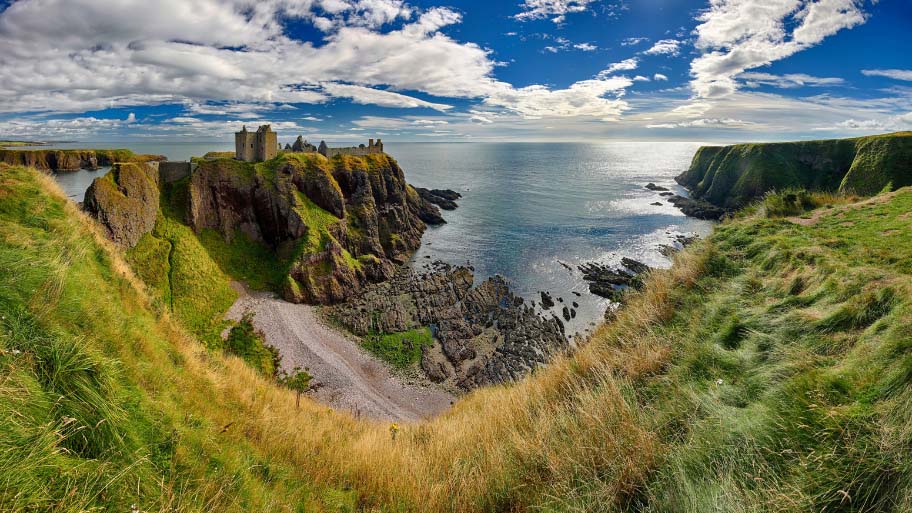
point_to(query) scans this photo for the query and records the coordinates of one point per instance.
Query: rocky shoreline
(484, 334)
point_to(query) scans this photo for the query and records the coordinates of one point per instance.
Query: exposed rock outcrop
(342, 222)
(443, 198)
(611, 282)
(681, 241)
(698, 208)
(125, 201)
(486, 334)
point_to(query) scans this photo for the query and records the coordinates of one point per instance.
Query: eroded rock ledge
(484, 335)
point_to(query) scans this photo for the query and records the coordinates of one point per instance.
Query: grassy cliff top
(50, 158)
(733, 176)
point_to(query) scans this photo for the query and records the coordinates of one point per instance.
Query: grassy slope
(103, 403)
(174, 262)
(809, 329)
(733, 176)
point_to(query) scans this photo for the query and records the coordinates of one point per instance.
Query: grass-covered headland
(768, 370)
(734, 176)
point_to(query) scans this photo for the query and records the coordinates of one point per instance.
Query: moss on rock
(125, 202)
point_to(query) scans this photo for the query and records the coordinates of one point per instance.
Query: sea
(530, 212)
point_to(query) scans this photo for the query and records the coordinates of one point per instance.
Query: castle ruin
(263, 145)
(358, 151)
(256, 146)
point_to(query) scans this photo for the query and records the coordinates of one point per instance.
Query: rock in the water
(656, 204)
(653, 187)
(682, 240)
(444, 198)
(635, 266)
(566, 313)
(697, 208)
(611, 282)
(546, 301)
(666, 193)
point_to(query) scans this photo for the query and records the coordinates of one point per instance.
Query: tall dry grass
(569, 434)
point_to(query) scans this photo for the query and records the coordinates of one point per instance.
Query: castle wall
(267, 145)
(172, 171)
(244, 146)
(357, 151)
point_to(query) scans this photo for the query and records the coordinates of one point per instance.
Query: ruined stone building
(359, 150)
(264, 144)
(256, 146)
(301, 145)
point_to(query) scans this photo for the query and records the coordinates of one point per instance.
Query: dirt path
(349, 378)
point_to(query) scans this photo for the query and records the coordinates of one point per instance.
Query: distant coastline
(19, 144)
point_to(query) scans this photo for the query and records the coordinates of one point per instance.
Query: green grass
(180, 267)
(790, 202)
(244, 259)
(769, 371)
(789, 382)
(249, 344)
(402, 349)
(19, 143)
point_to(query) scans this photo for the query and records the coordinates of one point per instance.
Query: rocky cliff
(338, 223)
(125, 201)
(732, 176)
(70, 160)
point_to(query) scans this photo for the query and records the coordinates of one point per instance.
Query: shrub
(245, 341)
(789, 202)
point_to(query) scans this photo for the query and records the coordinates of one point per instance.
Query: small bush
(789, 202)
(248, 343)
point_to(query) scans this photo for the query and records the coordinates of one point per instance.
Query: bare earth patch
(349, 378)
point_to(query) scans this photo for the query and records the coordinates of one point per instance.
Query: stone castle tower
(256, 146)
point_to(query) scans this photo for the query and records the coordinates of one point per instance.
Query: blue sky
(535, 70)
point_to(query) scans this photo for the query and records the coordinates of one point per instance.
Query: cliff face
(339, 223)
(732, 176)
(70, 160)
(125, 201)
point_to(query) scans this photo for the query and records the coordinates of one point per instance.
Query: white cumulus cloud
(665, 47)
(556, 10)
(740, 35)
